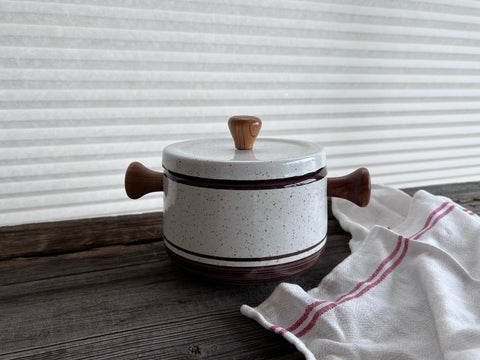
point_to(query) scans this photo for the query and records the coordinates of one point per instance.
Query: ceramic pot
(245, 214)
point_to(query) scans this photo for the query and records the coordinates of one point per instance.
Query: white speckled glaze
(270, 227)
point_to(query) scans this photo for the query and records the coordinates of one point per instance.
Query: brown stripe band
(245, 259)
(246, 275)
(247, 184)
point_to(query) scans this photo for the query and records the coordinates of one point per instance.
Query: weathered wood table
(105, 289)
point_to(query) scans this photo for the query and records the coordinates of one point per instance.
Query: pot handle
(354, 187)
(140, 180)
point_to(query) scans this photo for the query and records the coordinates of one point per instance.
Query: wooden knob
(244, 130)
(140, 180)
(354, 187)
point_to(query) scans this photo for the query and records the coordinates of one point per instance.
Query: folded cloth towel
(409, 290)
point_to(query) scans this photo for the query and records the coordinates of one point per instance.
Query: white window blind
(88, 86)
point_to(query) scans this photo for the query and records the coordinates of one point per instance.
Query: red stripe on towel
(437, 219)
(299, 322)
(376, 272)
(469, 212)
(347, 297)
(394, 253)
(430, 219)
(307, 312)
(429, 224)
(333, 305)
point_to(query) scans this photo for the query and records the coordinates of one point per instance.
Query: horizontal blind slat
(292, 9)
(232, 78)
(158, 20)
(344, 95)
(82, 37)
(28, 58)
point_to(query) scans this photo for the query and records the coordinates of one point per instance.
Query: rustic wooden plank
(76, 235)
(146, 308)
(34, 269)
(167, 341)
(130, 299)
(21, 276)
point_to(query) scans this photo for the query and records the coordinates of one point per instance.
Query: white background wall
(86, 87)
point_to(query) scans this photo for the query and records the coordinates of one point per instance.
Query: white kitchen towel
(409, 290)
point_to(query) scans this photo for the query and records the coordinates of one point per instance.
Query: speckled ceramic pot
(241, 214)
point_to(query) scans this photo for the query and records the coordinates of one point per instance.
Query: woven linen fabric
(409, 290)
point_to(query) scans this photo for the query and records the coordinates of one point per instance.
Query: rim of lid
(270, 159)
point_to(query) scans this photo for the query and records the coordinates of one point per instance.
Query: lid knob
(244, 130)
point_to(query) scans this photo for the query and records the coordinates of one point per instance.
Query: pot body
(246, 231)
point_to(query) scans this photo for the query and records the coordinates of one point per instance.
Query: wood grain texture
(118, 296)
(122, 303)
(76, 235)
(354, 187)
(244, 130)
(140, 180)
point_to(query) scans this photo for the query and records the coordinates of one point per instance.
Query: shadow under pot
(245, 215)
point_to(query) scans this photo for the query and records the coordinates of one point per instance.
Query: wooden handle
(140, 180)
(354, 187)
(244, 130)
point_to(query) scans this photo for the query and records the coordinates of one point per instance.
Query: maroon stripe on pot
(237, 259)
(245, 275)
(247, 184)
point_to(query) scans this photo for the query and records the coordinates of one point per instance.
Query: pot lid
(266, 159)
